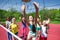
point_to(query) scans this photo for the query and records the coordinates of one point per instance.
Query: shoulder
(6, 21)
(42, 25)
(11, 24)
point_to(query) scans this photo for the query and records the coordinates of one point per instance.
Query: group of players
(28, 29)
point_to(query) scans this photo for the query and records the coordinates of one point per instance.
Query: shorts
(43, 38)
(31, 34)
(16, 33)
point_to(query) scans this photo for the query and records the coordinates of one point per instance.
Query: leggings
(9, 36)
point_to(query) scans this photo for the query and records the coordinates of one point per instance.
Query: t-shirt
(30, 27)
(43, 31)
(24, 24)
(38, 27)
(8, 24)
(14, 28)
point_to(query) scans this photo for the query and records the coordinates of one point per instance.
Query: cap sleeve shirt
(43, 31)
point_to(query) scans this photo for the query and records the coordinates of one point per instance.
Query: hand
(23, 8)
(36, 5)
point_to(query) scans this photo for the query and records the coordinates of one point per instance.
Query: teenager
(37, 21)
(47, 21)
(8, 22)
(38, 28)
(32, 29)
(14, 28)
(23, 27)
(44, 29)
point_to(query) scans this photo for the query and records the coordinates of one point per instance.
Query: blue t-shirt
(30, 27)
(38, 27)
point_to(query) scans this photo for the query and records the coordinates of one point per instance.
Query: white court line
(10, 32)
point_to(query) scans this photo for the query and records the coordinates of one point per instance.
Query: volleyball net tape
(10, 32)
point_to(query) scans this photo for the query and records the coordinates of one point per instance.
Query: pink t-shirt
(21, 31)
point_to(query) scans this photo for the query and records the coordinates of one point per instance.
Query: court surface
(53, 33)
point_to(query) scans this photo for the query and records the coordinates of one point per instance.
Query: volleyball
(26, 0)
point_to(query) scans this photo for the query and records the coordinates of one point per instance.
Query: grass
(55, 22)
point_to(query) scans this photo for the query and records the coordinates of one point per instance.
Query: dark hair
(8, 18)
(22, 17)
(46, 25)
(33, 28)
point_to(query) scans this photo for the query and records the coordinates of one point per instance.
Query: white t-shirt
(8, 24)
(43, 31)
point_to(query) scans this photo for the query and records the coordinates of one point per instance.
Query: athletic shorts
(16, 33)
(31, 34)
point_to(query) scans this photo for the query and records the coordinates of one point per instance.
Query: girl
(38, 28)
(23, 29)
(32, 31)
(43, 32)
(37, 21)
(14, 28)
(7, 26)
(44, 29)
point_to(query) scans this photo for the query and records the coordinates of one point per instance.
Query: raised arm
(36, 9)
(23, 10)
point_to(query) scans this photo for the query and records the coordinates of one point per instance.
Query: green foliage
(55, 22)
(11, 13)
(53, 14)
(31, 14)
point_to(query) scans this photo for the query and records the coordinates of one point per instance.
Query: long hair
(8, 18)
(33, 28)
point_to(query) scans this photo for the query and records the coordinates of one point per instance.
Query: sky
(16, 4)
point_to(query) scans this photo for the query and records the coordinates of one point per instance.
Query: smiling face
(30, 18)
(13, 20)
